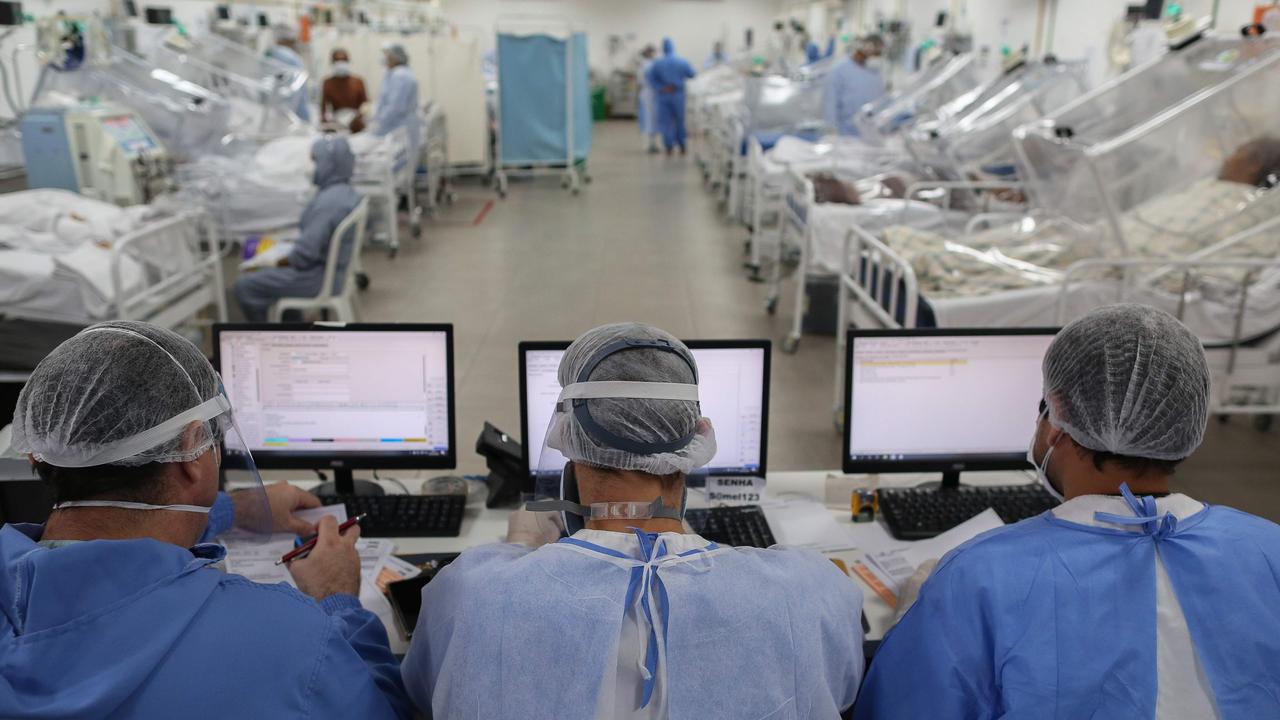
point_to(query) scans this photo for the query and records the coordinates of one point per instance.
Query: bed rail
(169, 298)
(873, 284)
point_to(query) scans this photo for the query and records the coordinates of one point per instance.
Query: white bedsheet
(55, 252)
(1211, 319)
(829, 223)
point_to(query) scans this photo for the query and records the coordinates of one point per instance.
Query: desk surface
(829, 488)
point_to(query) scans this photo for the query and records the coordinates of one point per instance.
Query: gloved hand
(533, 529)
(911, 588)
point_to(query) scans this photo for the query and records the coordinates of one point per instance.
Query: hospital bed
(820, 228)
(68, 259)
(1228, 293)
(1138, 206)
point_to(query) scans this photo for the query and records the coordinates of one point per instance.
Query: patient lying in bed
(1173, 225)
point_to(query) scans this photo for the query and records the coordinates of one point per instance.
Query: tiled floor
(646, 242)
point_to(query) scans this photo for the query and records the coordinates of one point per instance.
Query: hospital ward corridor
(645, 242)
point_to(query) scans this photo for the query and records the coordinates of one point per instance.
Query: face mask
(1042, 469)
(342, 68)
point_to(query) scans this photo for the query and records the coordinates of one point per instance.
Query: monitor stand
(950, 482)
(344, 484)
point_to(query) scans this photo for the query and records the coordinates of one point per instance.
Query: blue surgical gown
(1054, 619)
(509, 632)
(397, 106)
(849, 87)
(146, 629)
(647, 104)
(667, 75)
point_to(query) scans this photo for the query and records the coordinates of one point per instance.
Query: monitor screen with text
(314, 391)
(731, 390)
(941, 397)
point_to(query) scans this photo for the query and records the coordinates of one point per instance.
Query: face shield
(206, 431)
(577, 433)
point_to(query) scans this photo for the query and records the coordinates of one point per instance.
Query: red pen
(309, 545)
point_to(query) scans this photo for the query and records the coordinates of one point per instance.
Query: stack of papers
(889, 568)
(256, 560)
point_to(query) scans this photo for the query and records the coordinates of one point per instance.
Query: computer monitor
(941, 400)
(733, 387)
(341, 396)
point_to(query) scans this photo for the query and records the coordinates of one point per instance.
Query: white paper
(894, 565)
(313, 515)
(801, 522)
(722, 490)
(257, 560)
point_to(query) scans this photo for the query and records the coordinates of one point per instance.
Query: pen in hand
(309, 542)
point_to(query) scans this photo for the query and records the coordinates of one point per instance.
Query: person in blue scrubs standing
(647, 102)
(397, 104)
(1125, 601)
(116, 607)
(668, 75)
(638, 617)
(852, 83)
(286, 51)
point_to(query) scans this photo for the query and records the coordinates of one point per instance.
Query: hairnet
(335, 163)
(396, 52)
(1130, 380)
(642, 420)
(668, 46)
(108, 384)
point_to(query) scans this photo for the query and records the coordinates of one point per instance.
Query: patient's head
(1256, 163)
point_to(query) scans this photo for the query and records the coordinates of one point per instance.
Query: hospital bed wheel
(790, 344)
(771, 305)
(415, 228)
(1262, 423)
(362, 281)
(586, 179)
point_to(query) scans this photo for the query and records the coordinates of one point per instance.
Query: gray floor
(646, 242)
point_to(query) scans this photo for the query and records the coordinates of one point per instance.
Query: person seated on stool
(301, 272)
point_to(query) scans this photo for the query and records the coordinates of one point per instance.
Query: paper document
(802, 522)
(256, 559)
(895, 565)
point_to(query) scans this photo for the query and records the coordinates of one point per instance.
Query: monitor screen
(941, 399)
(360, 396)
(733, 387)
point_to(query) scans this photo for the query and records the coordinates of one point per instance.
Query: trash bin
(599, 106)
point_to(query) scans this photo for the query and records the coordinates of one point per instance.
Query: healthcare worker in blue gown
(397, 104)
(647, 102)
(301, 273)
(116, 608)
(853, 82)
(632, 616)
(668, 75)
(1127, 600)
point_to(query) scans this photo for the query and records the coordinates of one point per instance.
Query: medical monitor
(941, 400)
(341, 396)
(733, 388)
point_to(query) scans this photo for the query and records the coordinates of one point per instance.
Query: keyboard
(732, 526)
(404, 515)
(922, 513)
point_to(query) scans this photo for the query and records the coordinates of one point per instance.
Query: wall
(692, 24)
(1080, 28)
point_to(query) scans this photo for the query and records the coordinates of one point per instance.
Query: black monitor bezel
(1013, 461)
(527, 346)
(275, 460)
